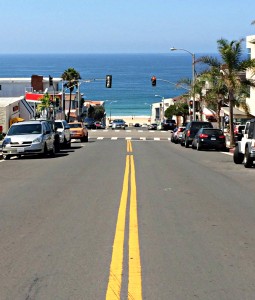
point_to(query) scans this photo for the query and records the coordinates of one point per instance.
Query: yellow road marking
(135, 274)
(129, 146)
(116, 267)
(115, 278)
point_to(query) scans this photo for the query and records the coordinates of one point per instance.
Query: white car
(31, 137)
(63, 128)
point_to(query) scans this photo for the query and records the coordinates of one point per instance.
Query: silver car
(118, 124)
(63, 128)
(31, 137)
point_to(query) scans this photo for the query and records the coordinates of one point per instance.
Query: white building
(158, 109)
(250, 44)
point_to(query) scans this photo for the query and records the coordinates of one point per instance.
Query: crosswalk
(114, 138)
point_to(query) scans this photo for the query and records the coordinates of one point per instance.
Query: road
(127, 219)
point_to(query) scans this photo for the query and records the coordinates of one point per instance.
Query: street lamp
(193, 76)
(150, 105)
(110, 107)
(163, 106)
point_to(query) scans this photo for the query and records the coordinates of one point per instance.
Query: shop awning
(237, 113)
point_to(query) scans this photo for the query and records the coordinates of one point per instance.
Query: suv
(30, 137)
(169, 124)
(191, 130)
(63, 129)
(245, 149)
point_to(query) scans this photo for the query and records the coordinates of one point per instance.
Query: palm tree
(71, 76)
(228, 73)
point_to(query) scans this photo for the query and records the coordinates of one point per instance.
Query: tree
(178, 109)
(44, 105)
(99, 113)
(71, 76)
(229, 69)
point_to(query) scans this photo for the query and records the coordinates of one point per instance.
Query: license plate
(213, 139)
(20, 150)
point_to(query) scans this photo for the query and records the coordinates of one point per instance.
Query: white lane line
(128, 138)
(156, 139)
(100, 138)
(143, 138)
(114, 138)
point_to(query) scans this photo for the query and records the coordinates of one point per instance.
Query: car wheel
(247, 159)
(238, 157)
(199, 147)
(6, 157)
(186, 144)
(45, 151)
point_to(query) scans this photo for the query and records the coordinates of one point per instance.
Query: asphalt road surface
(127, 219)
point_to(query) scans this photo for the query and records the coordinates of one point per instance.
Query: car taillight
(203, 135)
(188, 133)
(221, 136)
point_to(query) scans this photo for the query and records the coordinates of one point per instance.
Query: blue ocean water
(131, 93)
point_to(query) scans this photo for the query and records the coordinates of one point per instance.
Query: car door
(48, 135)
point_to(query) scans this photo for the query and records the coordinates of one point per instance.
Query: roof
(5, 101)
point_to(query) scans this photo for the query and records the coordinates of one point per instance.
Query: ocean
(131, 93)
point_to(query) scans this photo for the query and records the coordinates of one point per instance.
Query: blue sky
(117, 26)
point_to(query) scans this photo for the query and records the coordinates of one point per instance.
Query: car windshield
(75, 125)
(25, 129)
(58, 124)
(118, 121)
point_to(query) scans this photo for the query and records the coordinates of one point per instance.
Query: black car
(209, 138)
(191, 130)
(169, 124)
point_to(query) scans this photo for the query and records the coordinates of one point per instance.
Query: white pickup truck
(245, 149)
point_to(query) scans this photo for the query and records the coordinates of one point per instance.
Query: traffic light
(191, 103)
(108, 81)
(153, 80)
(50, 81)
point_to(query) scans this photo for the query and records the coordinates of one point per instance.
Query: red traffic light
(153, 80)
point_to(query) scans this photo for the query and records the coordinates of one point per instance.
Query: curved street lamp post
(193, 78)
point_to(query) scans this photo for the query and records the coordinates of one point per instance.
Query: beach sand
(131, 120)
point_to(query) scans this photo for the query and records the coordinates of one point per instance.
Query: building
(250, 44)
(158, 109)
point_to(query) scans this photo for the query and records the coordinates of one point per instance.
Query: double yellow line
(116, 267)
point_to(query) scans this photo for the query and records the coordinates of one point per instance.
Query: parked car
(99, 125)
(245, 149)
(30, 137)
(118, 124)
(191, 130)
(238, 132)
(137, 125)
(64, 133)
(79, 131)
(209, 138)
(89, 123)
(152, 126)
(177, 134)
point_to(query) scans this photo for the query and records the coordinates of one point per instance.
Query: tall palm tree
(229, 68)
(71, 76)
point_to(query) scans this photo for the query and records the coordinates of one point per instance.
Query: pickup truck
(245, 149)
